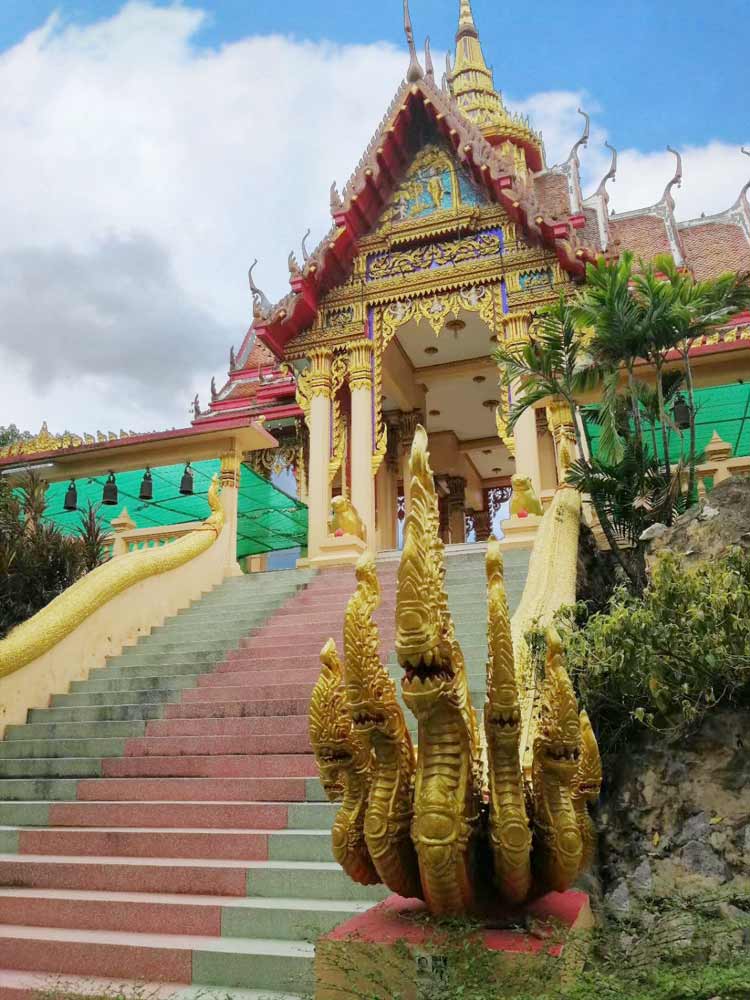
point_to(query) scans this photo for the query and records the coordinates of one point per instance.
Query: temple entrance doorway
(444, 376)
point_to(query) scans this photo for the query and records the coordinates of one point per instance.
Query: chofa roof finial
(584, 140)
(743, 193)
(676, 180)
(429, 68)
(261, 304)
(609, 176)
(415, 71)
(305, 252)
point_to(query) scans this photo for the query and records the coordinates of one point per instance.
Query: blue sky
(674, 71)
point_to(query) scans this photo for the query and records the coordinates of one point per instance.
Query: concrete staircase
(162, 823)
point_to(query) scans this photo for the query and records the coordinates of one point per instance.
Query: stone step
(236, 709)
(61, 748)
(98, 713)
(103, 683)
(256, 726)
(158, 815)
(267, 879)
(281, 919)
(89, 699)
(194, 746)
(146, 842)
(210, 961)
(207, 766)
(187, 790)
(18, 985)
(71, 730)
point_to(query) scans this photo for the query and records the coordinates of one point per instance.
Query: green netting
(269, 520)
(724, 409)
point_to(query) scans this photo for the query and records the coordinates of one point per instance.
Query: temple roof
(504, 157)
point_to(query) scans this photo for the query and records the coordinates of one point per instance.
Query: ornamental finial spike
(429, 68)
(609, 176)
(743, 193)
(415, 71)
(676, 180)
(584, 140)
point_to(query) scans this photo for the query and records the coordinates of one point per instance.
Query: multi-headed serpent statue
(459, 822)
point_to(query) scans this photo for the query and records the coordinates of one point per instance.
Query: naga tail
(510, 834)
(558, 848)
(345, 764)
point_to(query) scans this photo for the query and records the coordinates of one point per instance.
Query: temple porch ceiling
(454, 375)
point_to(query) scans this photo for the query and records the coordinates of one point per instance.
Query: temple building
(451, 234)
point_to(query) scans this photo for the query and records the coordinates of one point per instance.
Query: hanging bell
(147, 486)
(186, 486)
(110, 495)
(71, 497)
(682, 413)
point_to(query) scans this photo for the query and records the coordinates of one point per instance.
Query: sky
(150, 151)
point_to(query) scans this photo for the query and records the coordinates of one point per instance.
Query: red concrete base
(392, 945)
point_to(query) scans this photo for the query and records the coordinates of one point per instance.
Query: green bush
(665, 659)
(37, 561)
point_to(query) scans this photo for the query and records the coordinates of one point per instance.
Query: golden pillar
(526, 445)
(363, 481)
(560, 422)
(318, 490)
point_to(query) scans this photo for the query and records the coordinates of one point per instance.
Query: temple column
(527, 450)
(387, 503)
(456, 508)
(318, 489)
(363, 481)
(526, 445)
(230, 501)
(408, 426)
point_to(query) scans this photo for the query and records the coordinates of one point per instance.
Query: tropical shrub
(37, 561)
(664, 659)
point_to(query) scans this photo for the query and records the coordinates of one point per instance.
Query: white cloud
(141, 175)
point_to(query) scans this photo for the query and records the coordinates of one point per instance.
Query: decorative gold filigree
(44, 442)
(338, 424)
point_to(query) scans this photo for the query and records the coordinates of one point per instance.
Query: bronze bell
(147, 486)
(110, 495)
(186, 486)
(71, 497)
(682, 413)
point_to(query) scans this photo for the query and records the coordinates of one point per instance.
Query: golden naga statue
(344, 518)
(436, 826)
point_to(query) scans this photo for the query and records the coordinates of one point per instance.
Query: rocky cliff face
(710, 529)
(675, 824)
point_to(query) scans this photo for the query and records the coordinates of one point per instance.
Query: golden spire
(473, 87)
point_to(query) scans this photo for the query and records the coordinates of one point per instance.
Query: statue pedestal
(520, 532)
(342, 551)
(393, 950)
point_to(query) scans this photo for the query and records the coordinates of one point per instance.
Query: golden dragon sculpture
(346, 765)
(435, 829)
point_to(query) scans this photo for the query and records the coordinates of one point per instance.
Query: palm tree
(555, 363)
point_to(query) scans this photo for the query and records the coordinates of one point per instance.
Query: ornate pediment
(434, 185)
